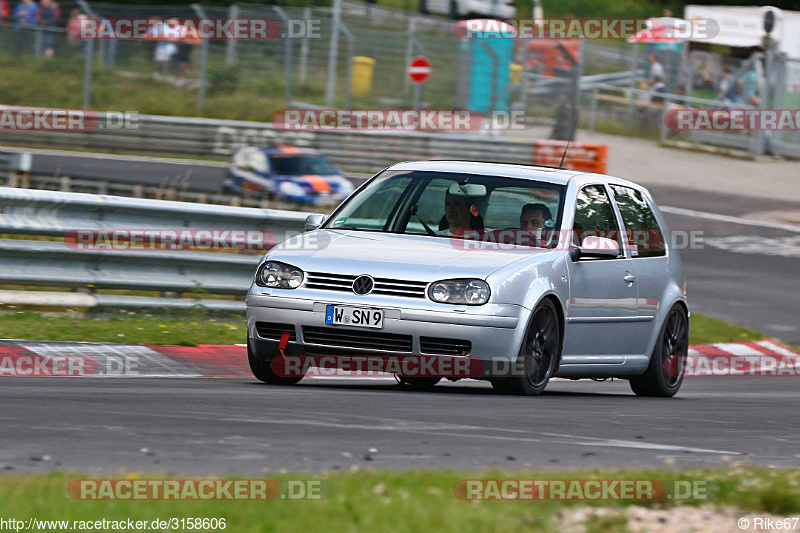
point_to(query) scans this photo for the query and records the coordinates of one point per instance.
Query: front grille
(354, 338)
(439, 346)
(273, 331)
(384, 286)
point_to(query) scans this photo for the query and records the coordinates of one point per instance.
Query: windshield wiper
(354, 228)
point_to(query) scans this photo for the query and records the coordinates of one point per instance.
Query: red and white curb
(21, 358)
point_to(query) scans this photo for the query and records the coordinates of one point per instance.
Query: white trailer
(743, 26)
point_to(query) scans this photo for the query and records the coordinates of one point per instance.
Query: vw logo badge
(363, 285)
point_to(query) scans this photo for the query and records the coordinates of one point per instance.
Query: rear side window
(644, 235)
(594, 216)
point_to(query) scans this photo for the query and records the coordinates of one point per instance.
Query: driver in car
(533, 217)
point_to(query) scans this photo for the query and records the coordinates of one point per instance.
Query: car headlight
(279, 275)
(289, 188)
(460, 291)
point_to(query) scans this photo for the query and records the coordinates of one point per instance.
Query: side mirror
(595, 247)
(314, 221)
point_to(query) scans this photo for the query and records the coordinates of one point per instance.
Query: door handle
(629, 278)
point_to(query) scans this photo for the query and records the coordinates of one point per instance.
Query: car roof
(559, 176)
(555, 175)
(286, 149)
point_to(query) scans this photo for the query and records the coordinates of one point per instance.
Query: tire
(423, 7)
(664, 374)
(425, 383)
(262, 371)
(538, 355)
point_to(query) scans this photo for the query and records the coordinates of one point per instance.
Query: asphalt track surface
(198, 425)
(757, 287)
(240, 425)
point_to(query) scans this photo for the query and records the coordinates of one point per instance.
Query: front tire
(262, 371)
(538, 356)
(664, 375)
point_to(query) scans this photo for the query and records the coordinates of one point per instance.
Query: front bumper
(492, 329)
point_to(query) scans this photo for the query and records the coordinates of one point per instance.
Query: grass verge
(187, 329)
(198, 327)
(395, 501)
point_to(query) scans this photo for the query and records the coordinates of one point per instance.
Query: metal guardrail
(356, 151)
(56, 263)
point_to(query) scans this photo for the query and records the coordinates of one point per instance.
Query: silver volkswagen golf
(534, 272)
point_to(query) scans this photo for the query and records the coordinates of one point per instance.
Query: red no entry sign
(419, 69)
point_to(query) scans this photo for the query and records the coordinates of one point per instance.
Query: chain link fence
(358, 58)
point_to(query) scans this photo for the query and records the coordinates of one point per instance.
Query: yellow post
(362, 75)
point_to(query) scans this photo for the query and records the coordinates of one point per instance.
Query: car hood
(412, 257)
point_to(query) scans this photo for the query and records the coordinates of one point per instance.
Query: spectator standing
(750, 88)
(727, 86)
(658, 87)
(5, 13)
(656, 69)
(48, 14)
(25, 14)
(189, 39)
(74, 30)
(164, 50)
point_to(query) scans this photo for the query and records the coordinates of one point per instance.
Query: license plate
(359, 317)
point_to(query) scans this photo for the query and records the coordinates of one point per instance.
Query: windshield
(297, 165)
(442, 204)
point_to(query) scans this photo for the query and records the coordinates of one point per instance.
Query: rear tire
(262, 371)
(664, 375)
(538, 356)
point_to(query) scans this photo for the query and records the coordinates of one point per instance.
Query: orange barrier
(580, 156)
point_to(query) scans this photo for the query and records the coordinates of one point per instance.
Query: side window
(372, 210)
(594, 216)
(506, 203)
(644, 235)
(430, 207)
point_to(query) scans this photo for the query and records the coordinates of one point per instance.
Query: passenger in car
(460, 215)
